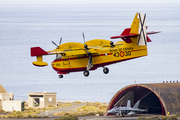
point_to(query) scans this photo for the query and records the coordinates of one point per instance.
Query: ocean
(23, 26)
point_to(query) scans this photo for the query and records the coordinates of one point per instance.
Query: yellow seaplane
(74, 56)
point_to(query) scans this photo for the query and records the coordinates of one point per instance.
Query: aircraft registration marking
(121, 52)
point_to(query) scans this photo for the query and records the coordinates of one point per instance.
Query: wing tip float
(38, 52)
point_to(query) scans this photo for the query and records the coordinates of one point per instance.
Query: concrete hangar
(157, 98)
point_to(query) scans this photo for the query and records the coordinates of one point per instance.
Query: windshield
(58, 56)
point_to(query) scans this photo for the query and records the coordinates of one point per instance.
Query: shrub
(19, 116)
(36, 116)
(77, 102)
(141, 118)
(18, 112)
(90, 114)
(50, 105)
(45, 116)
(177, 115)
(67, 118)
(100, 113)
(29, 116)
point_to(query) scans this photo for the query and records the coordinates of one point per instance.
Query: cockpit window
(115, 106)
(58, 56)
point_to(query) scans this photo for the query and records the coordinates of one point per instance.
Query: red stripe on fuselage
(68, 70)
(57, 60)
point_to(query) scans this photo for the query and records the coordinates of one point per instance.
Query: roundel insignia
(122, 54)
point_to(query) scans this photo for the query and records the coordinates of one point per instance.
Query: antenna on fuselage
(85, 46)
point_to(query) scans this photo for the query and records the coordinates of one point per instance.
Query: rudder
(138, 26)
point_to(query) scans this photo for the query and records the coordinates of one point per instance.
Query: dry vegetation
(158, 118)
(30, 112)
(90, 109)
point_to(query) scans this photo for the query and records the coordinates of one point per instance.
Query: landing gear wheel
(106, 70)
(60, 76)
(86, 73)
(117, 114)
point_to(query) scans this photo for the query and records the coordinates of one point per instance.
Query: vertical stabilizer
(137, 33)
(138, 26)
(136, 105)
(142, 39)
(128, 104)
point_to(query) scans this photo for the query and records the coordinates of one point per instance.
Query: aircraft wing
(79, 52)
(37, 51)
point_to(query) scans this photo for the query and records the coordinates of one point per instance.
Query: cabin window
(58, 56)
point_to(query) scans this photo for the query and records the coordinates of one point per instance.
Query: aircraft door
(66, 62)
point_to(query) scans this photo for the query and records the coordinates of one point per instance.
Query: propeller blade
(60, 40)
(55, 43)
(85, 46)
(83, 37)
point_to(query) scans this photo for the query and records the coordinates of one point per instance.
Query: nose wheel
(105, 70)
(86, 73)
(60, 76)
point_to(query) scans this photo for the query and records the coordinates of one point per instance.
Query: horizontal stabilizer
(148, 39)
(37, 51)
(137, 32)
(153, 32)
(126, 35)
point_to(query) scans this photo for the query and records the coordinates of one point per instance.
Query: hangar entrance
(149, 100)
(157, 98)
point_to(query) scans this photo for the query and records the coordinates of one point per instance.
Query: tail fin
(137, 31)
(128, 104)
(136, 105)
(138, 26)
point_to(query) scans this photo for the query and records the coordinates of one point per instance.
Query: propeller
(60, 40)
(55, 43)
(85, 46)
(59, 43)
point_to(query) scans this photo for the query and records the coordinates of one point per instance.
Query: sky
(89, 1)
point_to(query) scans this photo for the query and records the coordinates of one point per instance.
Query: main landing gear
(60, 76)
(105, 70)
(86, 73)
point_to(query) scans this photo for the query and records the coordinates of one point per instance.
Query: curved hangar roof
(158, 98)
(2, 89)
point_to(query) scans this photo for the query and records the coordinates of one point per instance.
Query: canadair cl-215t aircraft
(74, 56)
